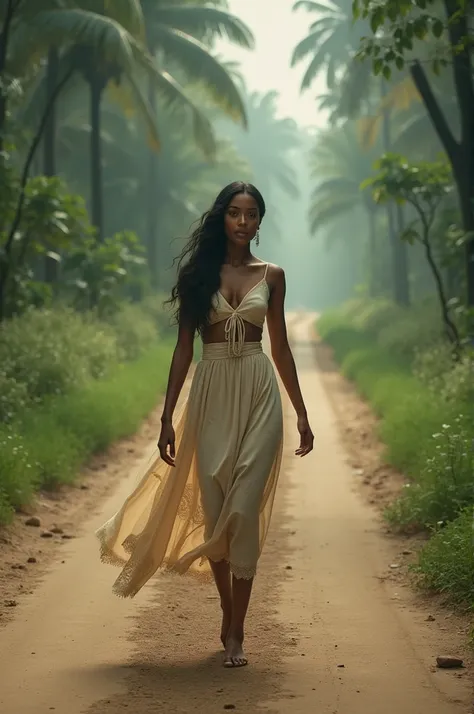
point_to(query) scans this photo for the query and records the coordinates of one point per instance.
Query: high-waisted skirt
(216, 503)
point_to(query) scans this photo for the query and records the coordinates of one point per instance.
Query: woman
(206, 500)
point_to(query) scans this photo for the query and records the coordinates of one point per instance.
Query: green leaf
(387, 72)
(410, 235)
(378, 66)
(377, 19)
(54, 256)
(60, 225)
(392, 13)
(437, 28)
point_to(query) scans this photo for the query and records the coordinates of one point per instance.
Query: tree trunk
(4, 37)
(152, 213)
(398, 247)
(49, 155)
(460, 153)
(450, 327)
(372, 253)
(402, 285)
(96, 91)
(6, 262)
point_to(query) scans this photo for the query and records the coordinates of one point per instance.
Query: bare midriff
(216, 333)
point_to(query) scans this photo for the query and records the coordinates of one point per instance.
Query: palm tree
(332, 44)
(332, 39)
(187, 181)
(92, 43)
(338, 167)
(179, 35)
(267, 146)
(103, 50)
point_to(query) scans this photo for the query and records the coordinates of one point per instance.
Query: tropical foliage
(396, 157)
(119, 124)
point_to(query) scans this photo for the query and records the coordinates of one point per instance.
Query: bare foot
(234, 653)
(226, 618)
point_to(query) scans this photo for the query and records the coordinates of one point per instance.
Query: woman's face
(242, 219)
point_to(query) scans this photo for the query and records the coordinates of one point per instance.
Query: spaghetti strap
(266, 271)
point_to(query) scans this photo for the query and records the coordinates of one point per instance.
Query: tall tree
(110, 48)
(180, 36)
(331, 45)
(406, 26)
(338, 168)
(332, 39)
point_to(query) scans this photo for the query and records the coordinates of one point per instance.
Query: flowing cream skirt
(216, 502)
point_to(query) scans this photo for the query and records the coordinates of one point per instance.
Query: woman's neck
(236, 257)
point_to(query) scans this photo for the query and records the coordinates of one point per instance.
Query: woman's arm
(180, 363)
(283, 358)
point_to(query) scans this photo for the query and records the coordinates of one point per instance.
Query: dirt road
(327, 633)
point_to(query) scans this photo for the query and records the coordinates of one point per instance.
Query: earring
(257, 237)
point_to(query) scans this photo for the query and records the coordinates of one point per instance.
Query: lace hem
(121, 587)
(241, 572)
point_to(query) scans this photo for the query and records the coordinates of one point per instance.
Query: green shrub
(458, 386)
(452, 381)
(161, 314)
(431, 366)
(135, 331)
(414, 330)
(445, 483)
(18, 473)
(54, 351)
(375, 315)
(59, 435)
(410, 413)
(407, 373)
(407, 425)
(13, 396)
(446, 563)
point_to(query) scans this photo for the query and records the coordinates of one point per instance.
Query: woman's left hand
(306, 437)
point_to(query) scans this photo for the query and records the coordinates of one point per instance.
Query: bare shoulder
(275, 275)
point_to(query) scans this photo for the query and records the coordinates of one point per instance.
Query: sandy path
(320, 602)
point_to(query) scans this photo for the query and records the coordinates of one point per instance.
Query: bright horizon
(277, 31)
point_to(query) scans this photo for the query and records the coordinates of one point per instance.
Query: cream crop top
(253, 308)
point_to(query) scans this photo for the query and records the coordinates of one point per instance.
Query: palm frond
(32, 39)
(369, 129)
(287, 182)
(146, 112)
(307, 46)
(328, 211)
(177, 101)
(401, 95)
(339, 185)
(127, 13)
(200, 20)
(312, 6)
(318, 62)
(201, 66)
(354, 87)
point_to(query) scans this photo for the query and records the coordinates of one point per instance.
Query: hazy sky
(277, 31)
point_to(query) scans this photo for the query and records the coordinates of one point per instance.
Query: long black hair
(200, 263)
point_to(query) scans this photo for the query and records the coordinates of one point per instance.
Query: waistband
(220, 350)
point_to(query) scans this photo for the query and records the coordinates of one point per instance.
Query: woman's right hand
(166, 443)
